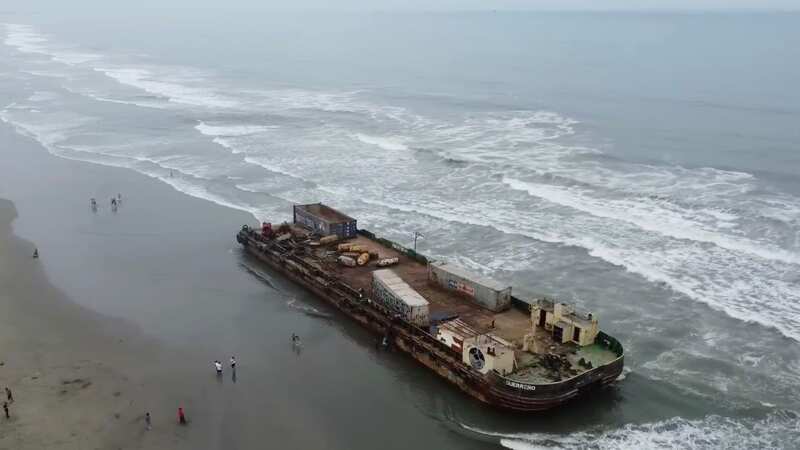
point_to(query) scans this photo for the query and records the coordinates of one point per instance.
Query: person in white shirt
(218, 366)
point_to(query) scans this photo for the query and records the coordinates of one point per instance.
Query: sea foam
(655, 216)
(27, 40)
(171, 88)
(384, 143)
(229, 130)
(776, 430)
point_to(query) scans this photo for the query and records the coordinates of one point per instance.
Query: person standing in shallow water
(5, 409)
(181, 417)
(9, 396)
(233, 363)
(147, 420)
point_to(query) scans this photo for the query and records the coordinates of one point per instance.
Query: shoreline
(75, 385)
(82, 375)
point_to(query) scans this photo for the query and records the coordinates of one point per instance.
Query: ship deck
(511, 325)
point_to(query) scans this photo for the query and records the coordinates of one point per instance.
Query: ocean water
(644, 166)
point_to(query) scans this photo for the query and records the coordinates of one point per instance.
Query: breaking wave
(390, 144)
(776, 431)
(698, 230)
(657, 216)
(172, 90)
(228, 130)
(27, 40)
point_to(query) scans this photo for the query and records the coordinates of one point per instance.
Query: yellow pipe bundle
(363, 259)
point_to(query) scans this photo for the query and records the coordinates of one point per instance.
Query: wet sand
(79, 343)
(75, 385)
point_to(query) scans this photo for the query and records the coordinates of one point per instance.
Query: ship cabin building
(324, 220)
(483, 352)
(564, 323)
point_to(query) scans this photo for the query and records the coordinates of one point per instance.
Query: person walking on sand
(218, 366)
(233, 363)
(181, 417)
(147, 421)
(35, 253)
(5, 408)
(9, 396)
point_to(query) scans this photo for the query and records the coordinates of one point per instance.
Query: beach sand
(80, 379)
(75, 387)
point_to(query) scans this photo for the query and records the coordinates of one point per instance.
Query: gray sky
(563, 4)
(373, 5)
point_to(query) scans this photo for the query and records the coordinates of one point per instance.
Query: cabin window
(576, 334)
(558, 333)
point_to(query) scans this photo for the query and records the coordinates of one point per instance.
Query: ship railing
(416, 334)
(578, 381)
(523, 389)
(610, 343)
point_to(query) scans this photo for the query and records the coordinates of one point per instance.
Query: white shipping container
(394, 293)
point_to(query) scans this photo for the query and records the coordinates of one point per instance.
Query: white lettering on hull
(526, 387)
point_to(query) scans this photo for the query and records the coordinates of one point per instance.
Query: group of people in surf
(115, 203)
(218, 366)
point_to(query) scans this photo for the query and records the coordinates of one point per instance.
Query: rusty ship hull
(491, 388)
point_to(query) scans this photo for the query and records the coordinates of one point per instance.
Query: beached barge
(522, 355)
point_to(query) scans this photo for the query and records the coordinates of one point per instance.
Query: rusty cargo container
(324, 220)
(484, 291)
